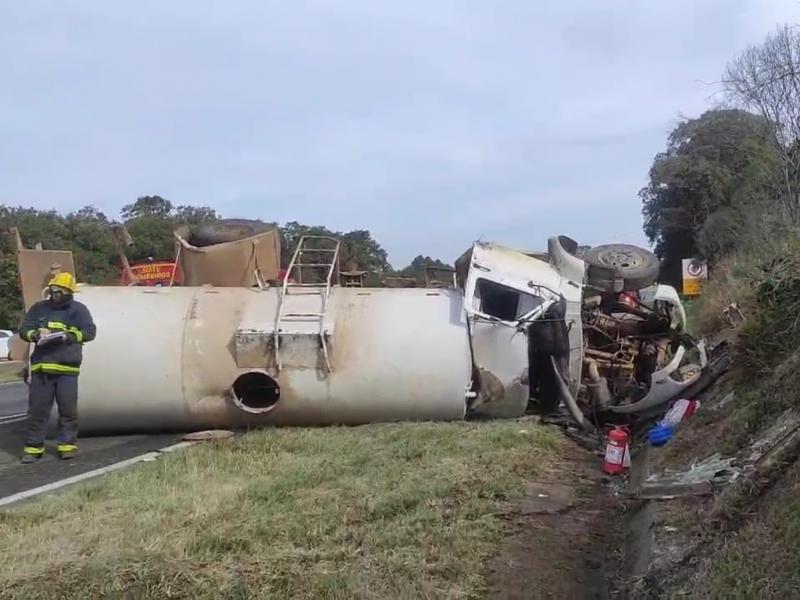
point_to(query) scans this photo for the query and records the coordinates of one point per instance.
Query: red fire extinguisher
(616, 451)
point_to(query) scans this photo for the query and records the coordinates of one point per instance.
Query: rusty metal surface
(36, 269)
(230, 264)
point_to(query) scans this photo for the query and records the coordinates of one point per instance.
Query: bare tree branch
(765, 79)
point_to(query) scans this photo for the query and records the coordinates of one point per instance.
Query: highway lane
(13, 400)
(95, 452)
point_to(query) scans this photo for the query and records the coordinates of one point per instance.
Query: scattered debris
(681, 410)
(659, 435)
(770, 456)
(702, 478)
(733, 315)
(785, 425)
(729, 397)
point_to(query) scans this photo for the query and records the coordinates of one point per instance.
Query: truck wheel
(637, 267)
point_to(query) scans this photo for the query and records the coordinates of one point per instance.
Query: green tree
(418, 266)
(707, 187)
(152, 238)
(92, 246)
(147, 206)
(357, 247)
(194, 215)
(86, 232)
(11, 312)
(151, 221)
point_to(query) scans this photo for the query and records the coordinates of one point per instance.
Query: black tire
(637, 267)
(226, 230)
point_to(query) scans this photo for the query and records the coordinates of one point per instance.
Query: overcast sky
(430, 123)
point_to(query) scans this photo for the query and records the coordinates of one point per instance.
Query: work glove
(72, 338)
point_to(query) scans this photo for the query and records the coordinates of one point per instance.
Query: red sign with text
(152, 273)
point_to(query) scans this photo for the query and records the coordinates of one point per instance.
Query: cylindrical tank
(168, 359)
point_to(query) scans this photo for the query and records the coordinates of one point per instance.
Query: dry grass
(735, 280)
(403, 511)
(762, 559)
(765, 282)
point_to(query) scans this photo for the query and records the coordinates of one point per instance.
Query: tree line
(151, 221)
(729, 180)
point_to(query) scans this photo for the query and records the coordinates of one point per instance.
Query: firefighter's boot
(32, 454)
(67, 451)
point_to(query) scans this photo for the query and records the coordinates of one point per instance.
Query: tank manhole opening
(256, 392)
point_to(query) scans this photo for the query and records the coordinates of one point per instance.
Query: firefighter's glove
(72, 337)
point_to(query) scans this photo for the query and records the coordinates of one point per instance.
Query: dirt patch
(547, 499)
(566, 539)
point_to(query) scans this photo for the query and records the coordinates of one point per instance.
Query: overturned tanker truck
(588, 331)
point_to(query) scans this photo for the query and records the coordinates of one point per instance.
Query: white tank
(185, 358)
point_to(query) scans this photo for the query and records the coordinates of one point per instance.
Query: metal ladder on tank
(297, 287)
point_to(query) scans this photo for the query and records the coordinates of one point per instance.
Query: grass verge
(762, 559)
(403, 510)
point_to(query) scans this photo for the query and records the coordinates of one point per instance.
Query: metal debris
(702, 478)
(784, 426)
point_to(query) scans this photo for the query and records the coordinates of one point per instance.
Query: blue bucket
(660, 435)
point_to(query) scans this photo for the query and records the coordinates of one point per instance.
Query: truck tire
(636, 267)
(226, 230)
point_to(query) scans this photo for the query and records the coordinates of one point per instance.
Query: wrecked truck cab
(505, 293)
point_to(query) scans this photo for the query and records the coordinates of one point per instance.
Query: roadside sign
(152, 273)
(695, 271)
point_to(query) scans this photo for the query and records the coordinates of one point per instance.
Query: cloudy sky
(430, 123)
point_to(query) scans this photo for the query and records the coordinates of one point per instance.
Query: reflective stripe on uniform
(59, 326)
(66, 447)
(27, 335)
(54, 368)
(35, 450)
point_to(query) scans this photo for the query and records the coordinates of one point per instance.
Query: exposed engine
(625, 341)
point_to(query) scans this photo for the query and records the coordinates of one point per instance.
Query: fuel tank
(188, 358)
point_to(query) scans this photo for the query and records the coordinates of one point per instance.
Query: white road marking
(56, 485)
(13, 418)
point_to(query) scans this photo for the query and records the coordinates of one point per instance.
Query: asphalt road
(95, 452)
(13, 399)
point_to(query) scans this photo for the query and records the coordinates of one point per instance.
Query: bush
(765, 282)
(772, 331)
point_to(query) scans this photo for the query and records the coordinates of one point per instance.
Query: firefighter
(59, 326)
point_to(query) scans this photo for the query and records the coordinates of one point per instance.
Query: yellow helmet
(66, 281)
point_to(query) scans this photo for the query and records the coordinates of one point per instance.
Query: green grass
(399, 511)
(762, 560)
